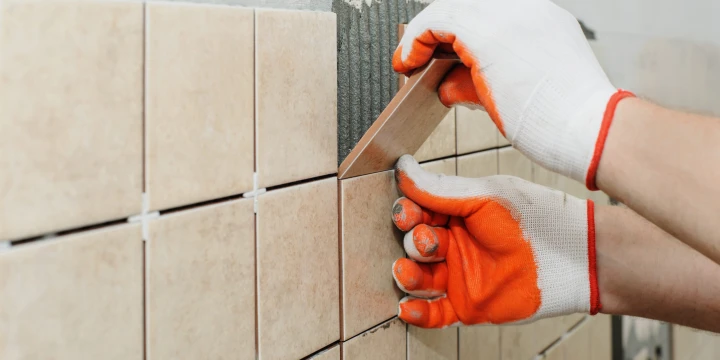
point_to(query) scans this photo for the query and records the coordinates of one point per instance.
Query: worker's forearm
(644, 271)
(665, 165)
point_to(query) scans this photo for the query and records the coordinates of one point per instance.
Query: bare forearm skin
(665, 165)
(644, 271)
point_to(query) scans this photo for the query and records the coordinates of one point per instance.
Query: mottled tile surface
(601, 337)
(444, 166)
(201, 283)
(387, 341)
(296, 93)
(199, 111)
(370, 245)
(432, 344)
(478, 165)
(441, 142)
(70, 114)
(514, 163)
(479, 342)
(577, 344)
(298, 275)
(74, 297)
(475, 130)
(517, 342)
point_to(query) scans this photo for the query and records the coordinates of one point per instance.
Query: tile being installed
(478, 165)
(387, 341)
(475, 130)
(444, 166)
(517, 342)
(514, 163)
(441, 142)
(479, 342)
(201, 283)
(74, 297)
(199, 110)
(370, 245)
(70, 114)
(432, 344)
(298, 275)
(296, 95)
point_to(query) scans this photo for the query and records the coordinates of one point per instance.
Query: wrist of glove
(493, 250)
(527, 63)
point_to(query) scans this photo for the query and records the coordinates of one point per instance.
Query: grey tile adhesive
(367, 35)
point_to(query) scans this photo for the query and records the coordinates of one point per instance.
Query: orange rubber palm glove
(491, 250)
(527, 63)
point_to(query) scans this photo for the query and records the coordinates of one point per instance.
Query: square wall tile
(601, 337)
(70, 114)
(432, 344)
(517, 342)
(479, 342)
(475, 130)
(445, 166)
(199, 111)
(478, 165)
(201, 283)
(332, 353)
(296, 95)
(441, 142)
(74, 297)
(298, 274)
(370, 245)
(514, 163)
(387, 341)
(577, 343)
(502, 141)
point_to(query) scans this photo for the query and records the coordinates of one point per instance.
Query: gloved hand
(492, 250)
(527, 63)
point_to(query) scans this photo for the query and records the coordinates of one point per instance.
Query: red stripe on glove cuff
(604, 129)
(595, 305)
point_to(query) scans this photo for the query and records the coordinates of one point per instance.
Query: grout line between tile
(255, 190)
(322, 350)
(340, 260)
(374, 327)
(144, 100)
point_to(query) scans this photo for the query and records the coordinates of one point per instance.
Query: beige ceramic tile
(501, 139)
(478, 165)
(70, 114)
(332, 353)
(600, 337)
(517, 342)
(201, 283)
(446, 166)
(199, 111)
(298, 275)
(577, 343)
(370, 245)
(556, 352)
(475, 130)
(514, 163)
(685, 342)
(74, 297)
(479, 342)
(388, 341)
(432, 344)
(296, 95)
(441, 142)
(548, 331)
(568, 321)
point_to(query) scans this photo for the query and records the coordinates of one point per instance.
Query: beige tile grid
(179, 87)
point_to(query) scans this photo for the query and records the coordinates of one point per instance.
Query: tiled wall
(167, 176)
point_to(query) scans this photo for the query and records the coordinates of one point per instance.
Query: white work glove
(527, 63)
(492, 250)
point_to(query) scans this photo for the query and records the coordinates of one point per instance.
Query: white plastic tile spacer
(145, 217)
(5, 245)
(255, 192)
